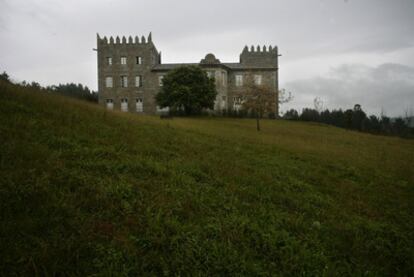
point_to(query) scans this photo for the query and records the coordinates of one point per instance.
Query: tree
(348, 114)
(399, 127)
(374, 124)
(291, 114)
(284, 97)
(75, 90)
(358, 117)
(188, 88)
(5, 77)
(338, 118)
(325, 117)
(318, 104)
(309, 115)
(385, 124)
(259, 100)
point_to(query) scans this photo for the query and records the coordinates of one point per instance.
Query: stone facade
(130, 74)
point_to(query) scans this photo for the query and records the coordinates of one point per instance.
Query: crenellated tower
(124, 45)
(124, 71)
(259, 56)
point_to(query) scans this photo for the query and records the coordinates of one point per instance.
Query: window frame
(160, 80)
(124, 81)
(125, 104)
(107, 80)
(138, 80)
(258, 79)
(139, 103)
(239, 80)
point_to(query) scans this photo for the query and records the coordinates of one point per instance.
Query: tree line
(356, 119)
(78, 91)
(189, 91)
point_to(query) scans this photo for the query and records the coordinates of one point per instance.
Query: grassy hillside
(89, 192)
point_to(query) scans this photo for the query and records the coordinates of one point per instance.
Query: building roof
(232, 66)
(170, 66)
(241, 66)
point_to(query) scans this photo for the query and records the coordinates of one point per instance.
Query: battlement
(259, 56)
(124, 40)
(259, 49)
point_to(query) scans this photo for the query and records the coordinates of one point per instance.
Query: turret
(259, 56)
(122, 41)
(114, 47)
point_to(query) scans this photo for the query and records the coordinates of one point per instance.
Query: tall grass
(84, 191)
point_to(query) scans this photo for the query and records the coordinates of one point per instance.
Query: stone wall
(269, 80)
(265, 56)
(256, 61)
(117, 48)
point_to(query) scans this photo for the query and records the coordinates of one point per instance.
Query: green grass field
(86, 192)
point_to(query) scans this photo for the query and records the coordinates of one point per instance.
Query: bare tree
(284, 97)
(409, 117)
(259, 99)
(318, 104)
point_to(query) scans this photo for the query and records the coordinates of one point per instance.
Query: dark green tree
(75, 90)
(309, 114)
(399, 127)
(291, 114)
(348, 118)
(187, 88)
(5, 77)
(358, 117)
(374, 124)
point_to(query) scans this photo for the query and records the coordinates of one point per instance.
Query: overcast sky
(342, 51)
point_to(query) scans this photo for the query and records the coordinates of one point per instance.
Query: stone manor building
(130, 74)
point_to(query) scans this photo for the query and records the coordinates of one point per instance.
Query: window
(217, 75)
(108, 60)
(123, 60)
(124, 81)
(236, 99)
(110, 104)
(138, 81)
(138, 60)
(139, 105)
(124, 104)
(258, 80)
(237, 103)
(209, 74)
(223, 102)
(239, 80)
(239, 100)
(163, 110)
(223, 78)
(109, 82)
(160, 78)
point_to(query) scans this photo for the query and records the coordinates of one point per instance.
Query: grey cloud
(388, 87)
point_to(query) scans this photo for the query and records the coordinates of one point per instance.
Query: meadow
(88, 192)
